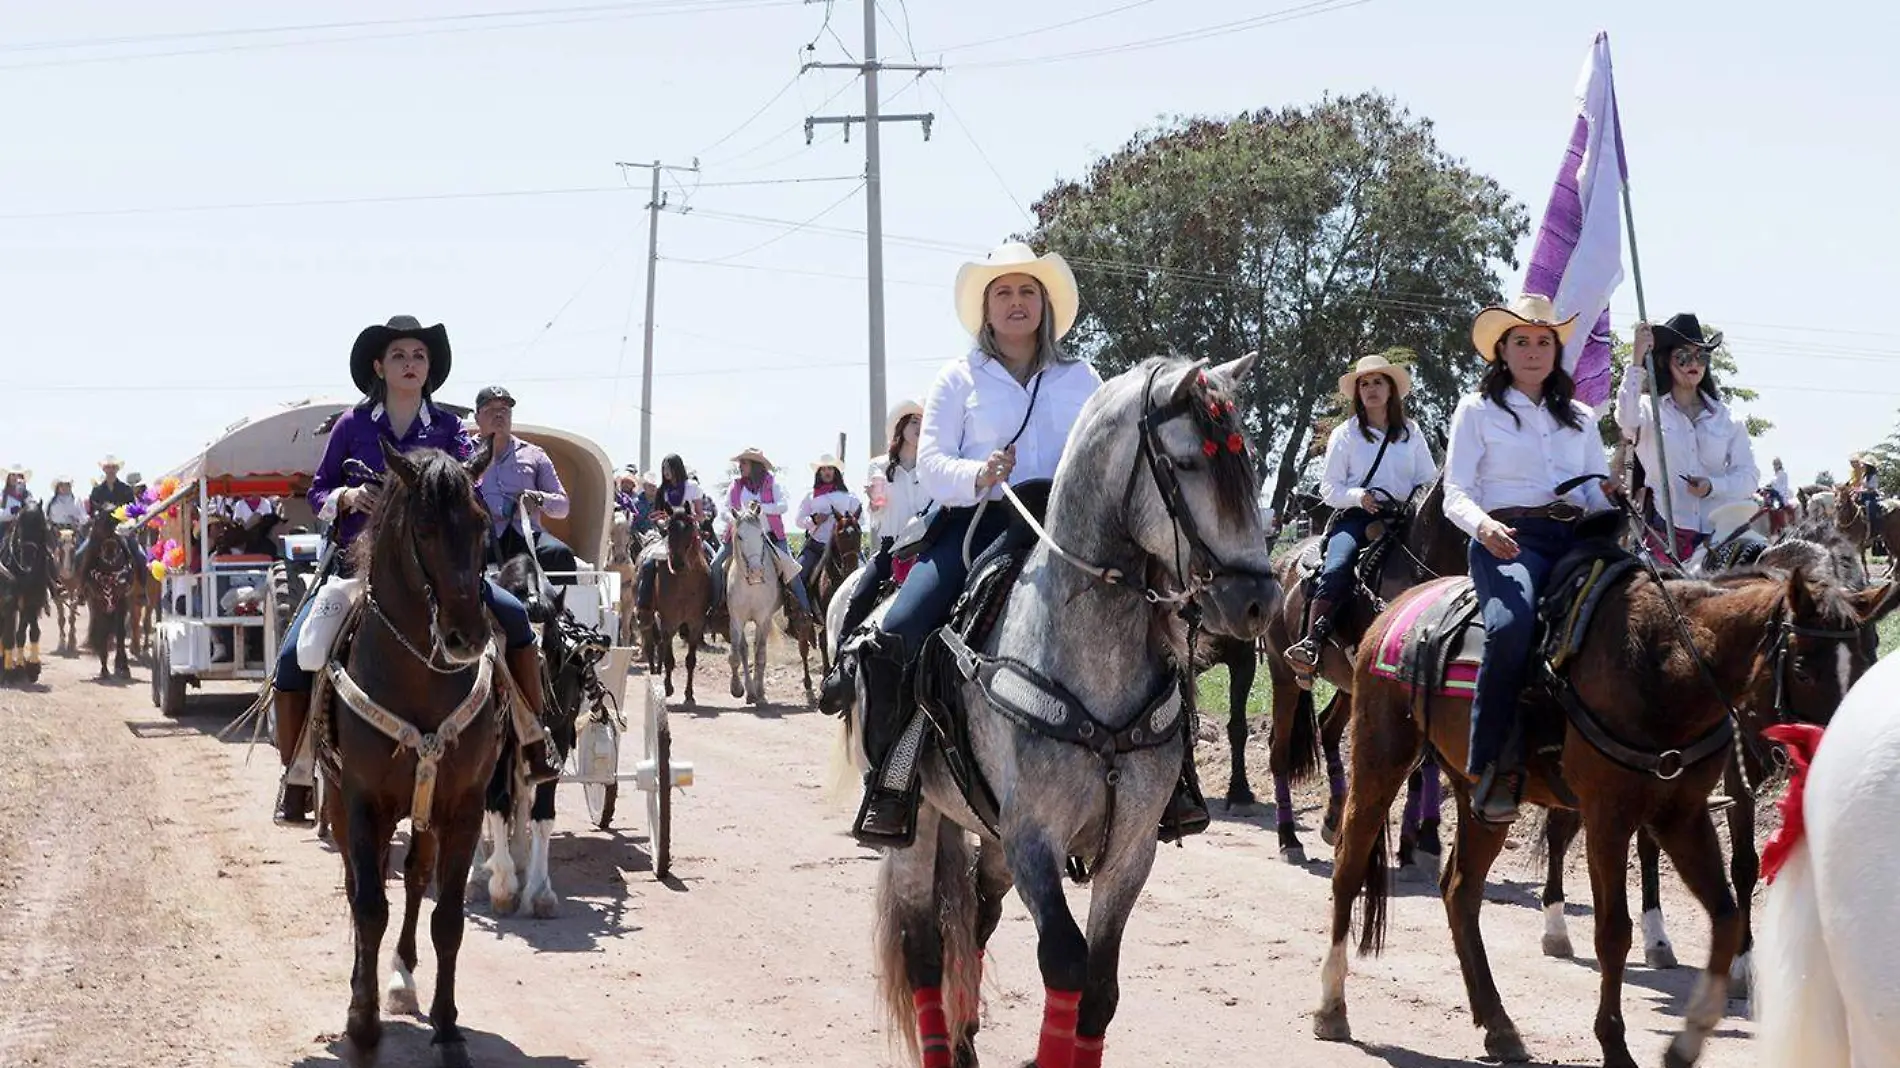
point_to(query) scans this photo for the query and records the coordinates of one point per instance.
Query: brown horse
(418, 671)
(682, 590)
(1427, 546)
(66, 597)
(842, 555)
(26, 580)
(1655, 671)
(107, 574)
(1853, 521)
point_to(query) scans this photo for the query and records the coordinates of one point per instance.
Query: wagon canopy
(273, 454)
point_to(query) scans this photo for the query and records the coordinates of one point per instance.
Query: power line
(796, 271)
(750, 119)
(776, 238)
(1063, 25)
(1291, 14)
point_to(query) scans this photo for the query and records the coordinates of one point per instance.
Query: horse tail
(1304, 758)
(1800, 1014)
(953, 908)
(1378, 896)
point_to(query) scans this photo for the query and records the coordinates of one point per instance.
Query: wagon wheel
(168, 689)
(597, 756)
(659, 751)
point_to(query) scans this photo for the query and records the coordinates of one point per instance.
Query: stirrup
(1304, 654)
(1186, 813)
(1487, 807)
(886, 818)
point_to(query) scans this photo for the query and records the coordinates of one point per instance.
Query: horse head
(427, 545)
(621, 538)
(1159, 482)
(1823, 641)
(847, 536)
(682, 539)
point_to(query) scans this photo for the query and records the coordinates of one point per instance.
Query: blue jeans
(506, 608)
(1342, 547)
(935, 582)
(1507, 598)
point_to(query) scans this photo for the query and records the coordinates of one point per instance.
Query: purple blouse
(357, 435)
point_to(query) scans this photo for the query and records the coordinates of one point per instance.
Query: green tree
(1313, 235)
(1721, 362)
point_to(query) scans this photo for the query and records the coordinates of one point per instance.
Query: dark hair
(897, 443)
(818, 478)
(669, 465)
(1559, 387)
(1395, 427)
(1666, 368)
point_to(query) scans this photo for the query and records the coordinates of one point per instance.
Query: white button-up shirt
(815, 512)
(1710, 443)
(973, 409)
(1407, 465)
(903, 495)
(1496, 462)
(65, 510)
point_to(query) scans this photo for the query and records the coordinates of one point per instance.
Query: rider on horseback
(15, 495)
(1363, 476)
(818, 513)
(398, 368)
(64, 511)
(756, 485)
(1512, 443)
(1002, 413)
(521, 476)
(1864, 477)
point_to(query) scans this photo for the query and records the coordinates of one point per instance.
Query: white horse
(1828, 957)
(752, 596)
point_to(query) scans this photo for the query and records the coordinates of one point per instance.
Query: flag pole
(1662, 486)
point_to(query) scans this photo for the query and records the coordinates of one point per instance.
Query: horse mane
(1217, 419)
(442, 490)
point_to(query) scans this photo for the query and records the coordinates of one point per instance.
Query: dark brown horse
(682, 589)
(26, 587)
(108, 573)
(418, 671)
(1426, 547)
(1853, 521)
(1765, 638)
(842, 555)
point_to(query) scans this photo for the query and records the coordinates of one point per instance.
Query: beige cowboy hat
(62, 480)
(1375, 365)
(1732, 517)
(974, 278)
(828, 460)
(111, 461)
(20, 469)
(1530, 309)
(898, 412)
(755, 454)
(649, 479)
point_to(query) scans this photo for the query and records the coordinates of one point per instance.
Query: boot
(1187, 810)
(1497, 794)
(1304, 656)
(292, 711)
(888, 816)
(525, 665)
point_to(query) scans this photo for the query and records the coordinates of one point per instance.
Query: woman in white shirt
(1375, 451)
(892, 486)
(14, 496)
(1000, 413)
(64, 510)
(1513, 443)
(1710, 461)
(819, 511)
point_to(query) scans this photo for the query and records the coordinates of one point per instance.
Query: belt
(1561, 511)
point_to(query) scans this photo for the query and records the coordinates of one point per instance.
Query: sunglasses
(1691, 358)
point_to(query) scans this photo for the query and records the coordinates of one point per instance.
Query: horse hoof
(1558, 946)
(1329, 834)
(1241, 797)
(1295, 855)
(1330, 1025)
(401, 999)
(452, 1054)
(1659, 955)
(1506, 1046)
(504, 905)
(738, 690)
(1740, 978)
(545, 906)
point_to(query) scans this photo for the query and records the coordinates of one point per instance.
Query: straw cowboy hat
(374, 341)
(110, 461)
(1684, 329)
(1058, 282)
(898, 412)
(25, 473)
(1375, 365)
(828, 460)
(1527, 310)
(755, 454)
(1731, 518)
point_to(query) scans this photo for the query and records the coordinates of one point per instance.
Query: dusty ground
(150, 914)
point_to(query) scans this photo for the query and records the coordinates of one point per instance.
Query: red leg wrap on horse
(1088, 1052)
(933, 1030)
(1057, 1048)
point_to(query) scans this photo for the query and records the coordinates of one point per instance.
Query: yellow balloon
(158, 570)
(119, 513)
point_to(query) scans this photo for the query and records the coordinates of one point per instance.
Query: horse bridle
(436, 644)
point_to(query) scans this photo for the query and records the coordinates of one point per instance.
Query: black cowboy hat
(374, 341)
(1682, 329)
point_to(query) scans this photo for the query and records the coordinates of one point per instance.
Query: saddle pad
(1436, 641)
(333, 606)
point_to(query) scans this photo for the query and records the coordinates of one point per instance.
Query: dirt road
(154, 916)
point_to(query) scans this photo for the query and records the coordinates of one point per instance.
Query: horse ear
(1872, 604)
(478, 463)
(1801, 601)
(396, 463)
(1186, 377)
(1231, 374)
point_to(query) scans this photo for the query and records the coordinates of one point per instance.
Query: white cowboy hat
(26, 473)
(828, 460)
(1063, 301)
(62, 480)
(1730, 518)
(1375, 365)
(755, 454)
(898, 412)
(1530, 309)
(649, 478)
(111, 461)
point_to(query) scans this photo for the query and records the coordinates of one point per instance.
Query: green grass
(1889, 630)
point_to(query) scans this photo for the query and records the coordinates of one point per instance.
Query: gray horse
(1151, 519)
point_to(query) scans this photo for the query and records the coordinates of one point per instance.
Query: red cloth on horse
(1800, 740)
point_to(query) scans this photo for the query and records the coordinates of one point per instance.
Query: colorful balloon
(158, 570)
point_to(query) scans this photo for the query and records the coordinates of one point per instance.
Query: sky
(197, 218)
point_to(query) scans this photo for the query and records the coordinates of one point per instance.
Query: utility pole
(873, 189)
(654, 205)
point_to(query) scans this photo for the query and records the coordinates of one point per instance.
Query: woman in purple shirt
(398, 367)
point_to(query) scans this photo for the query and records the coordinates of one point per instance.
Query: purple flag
(1578, 259)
